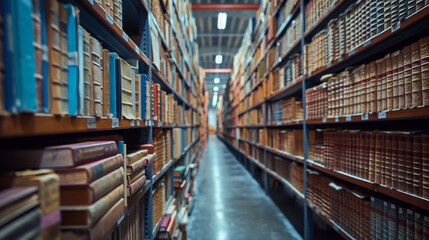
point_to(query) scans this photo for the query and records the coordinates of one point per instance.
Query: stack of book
(179, 177)
(20, 216)
(47, 183)
(168, 223)
(286, 110)
(392, 158)
(159, 148)
(158, 204)
(136, 167)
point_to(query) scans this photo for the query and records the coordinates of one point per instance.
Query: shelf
(287, 184)
(97, 11)
(46, 124)
(401, 114)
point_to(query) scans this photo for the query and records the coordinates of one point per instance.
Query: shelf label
(91, 2)
(381, 115)
(109, 18)
(364, 116)
(336, 119)
(138, 122)
(124, 36)
(324, 120)
(115, 122)
(396, 27)
(91, 123)
(367, 43)
(132, 123)
(348, 118)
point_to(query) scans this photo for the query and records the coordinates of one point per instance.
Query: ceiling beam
(225, 7)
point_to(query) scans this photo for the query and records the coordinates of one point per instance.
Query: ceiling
(212, 41)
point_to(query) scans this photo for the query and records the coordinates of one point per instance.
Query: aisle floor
(230, 204)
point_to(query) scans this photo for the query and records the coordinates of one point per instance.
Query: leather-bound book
(425, 165)
(389, 83)
(417, 164)
(395, 82)
(410, 232)
(100, 229)
(373, 86)
(64, 61)
(106, 82)
(88, 87)
(424, 56)
(401, 83)
(126, 90)
(408, 76)
(416, 78)
(394, 161)
(87, 173)
(117, 12)
(97, 76)
(84, 216)
(135, 186)
(380, 67)
(402, 161)
(88, 194)
(378, 160)
(409, 163)
(133, 157)
(402, 223)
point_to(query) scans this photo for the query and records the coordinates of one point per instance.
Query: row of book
(158, 203)
(364, 216)
(290, 171)
(360, 22)
(162, 149)
(286, 140)
(285, 110)
(113, 8)
(254, 116)
(283, 77)
(396, 159)
(316, 10)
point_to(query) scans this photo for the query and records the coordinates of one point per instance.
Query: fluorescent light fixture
(216, 80)
(214, 103)
(215, 89)
(218, 59)
(221, 20)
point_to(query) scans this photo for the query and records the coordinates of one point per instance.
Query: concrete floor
(230, 204)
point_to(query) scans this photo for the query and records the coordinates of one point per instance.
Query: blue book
(23, 56)
(9, 91)
(112, 84)
(143, 96)
(45, 101)
(73, 63)
(118, 87)
(81, 97)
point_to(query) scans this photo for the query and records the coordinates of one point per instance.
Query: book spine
(104, 185)
(97, 77)
(106, 83)
(99, 208)
(64, 81)
(101, 228)
(88, 86)
(135, 186)
(86, 153)
(81, 71)
(118, 88)
(73, 60)
(99, 170)
(112, 85)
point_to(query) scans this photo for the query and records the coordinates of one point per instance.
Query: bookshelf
(252, 123)
(141, 34)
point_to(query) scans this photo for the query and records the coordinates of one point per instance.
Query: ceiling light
(215, 89)
(221, 20)
(214, 103)
(218, 59)
(217, 80)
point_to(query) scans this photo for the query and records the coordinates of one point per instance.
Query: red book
(61, 156)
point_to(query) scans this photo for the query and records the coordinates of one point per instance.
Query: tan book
(89, 194)
(64, 60)
(136, 156)
(408, 77)
(416, 84)
(373, 86)
(136, 185)
(117, 12)
(389, 83)
(401, 83)
(88, 87)
(424, 55)
(395, 99)
(126, 91)
(106, 82)
(97, 76)
(145, 161)
(132, 177)
(54, 43)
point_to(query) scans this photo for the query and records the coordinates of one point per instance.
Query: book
(47, 183)
(118, 87)
(99, 229)
(81, 216)
(61, 156)
(73, 59)
(20, 82)
(133, 176)
(126, 90)
(40, 56)
(136, 156)
(64, 107)
(143, 162)
(16, 201)
(25, 226)
(81, 71)
(97, 76)
(89, 194)
(148, 147)
(106, 82)
(143, 97)
(135, 186)
(87, 173)
(88, 88)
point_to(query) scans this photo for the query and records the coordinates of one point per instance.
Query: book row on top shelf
(74, 66)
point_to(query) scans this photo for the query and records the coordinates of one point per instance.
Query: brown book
(100, 229)
(136, 156)
(417, 164)
(52, 11)
(416, 79)
(97, 76)
(48, 185)
(409, 163)
(64, 60)
(408, 76)
(38, 53)
(137, 95)
(132, 177)
(88, 87)
(16, 201)
(87, 173)
(425, 165)
(106, 82)
(143, 162)
(61, 156)
(85, 216)
(135, 186)
(424, 55)
(88, 194)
